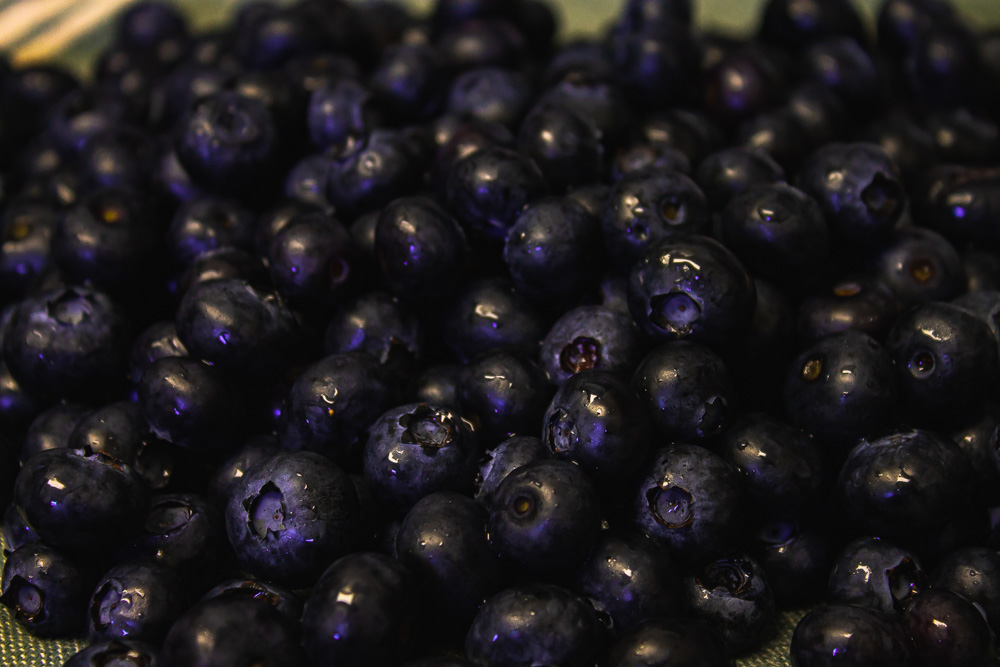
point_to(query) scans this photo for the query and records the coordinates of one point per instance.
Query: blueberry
(960, 136)
(504, 459)
(690, 132)
(794, 25)
(120, 157)
(284, 601)
(565, 146)
(52, 428)
(725, 173)
(690, 287)
(687, 390)
(744, 82)
(136, 601)
(114, 653)
(977, 438)
(490, 315)
(408, 82)
(902, 22)
(850, 636)
(940, 68)
(985, 304)
(358, 612)
(872, 572)
(490, 94)
(230, 471)
(656, 62)
(973, 573)
(418, 449)
(797, 560)
(648, 157)
(340, 112)
(222, 263)
(437, 384)
(45, 590)
(83, 114)
(26, 230)
(563, 630)
(857, 303)
(478, 43)
(821, 112)
(688, 499)
(306, 182)
(920, 265)
(31, 91)
(456, 139)
(204, 224)
(590, 337)
(909, 145)
(844, 66)
(116, 430)
(946, 629)
(378, 324)
(668, 641)
(15, 530)
(502, 394)
(157, 341)
(310, 261)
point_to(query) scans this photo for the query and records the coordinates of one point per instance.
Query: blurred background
(72, 31)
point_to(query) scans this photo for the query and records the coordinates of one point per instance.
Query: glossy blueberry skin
(648, 157)
(858, 303)
(487, 190)
(946, 629)
(959, 202)
(26, 230)
(985, 304)
(933, 490)
(595, 96)
(690, 287)
(79, 501)
(837, 407)
(797, 560)
(340, 112)
(631, 578)
(291, 515)
(688, 499)
(126, 653)
(941, 376)
(121, 157)
(284, 601)
(157, 341)
(408, 83)
(231, 631)
(417, 449)
(687, 390)
(333, 402)
(455, 139)
(741, 83)
(563, 630)
(780, 133)
(490, 315)
(505, 458)
(436, 384)
(656, 63)
(52, 428)
(227, 473)
(849, 636)
(45, 590)
(726, 173)
(442, 541)
(191, 404)
(598, 422)
(963, 137)
(973, 573)
(357, 612)
(733, 596)
(83, 114)
(15, 529)
(223, 263)
(502, 394)
(920, 265)
(644, 208)
(909, 145)
(782, 467)
(545, 516)
(490, 94)
(872, 572)
(844, 66)
(68, 342)
(565, 146)
(977, 438)
(116, 430)
(778, 232)
(135, 600)
(420, 248)
(552, 250)
(228, 143)
(859, 190)
(306, 182)
(669, 641)
(690, 132)
(590, 337)
(204, 224)
(378, 324)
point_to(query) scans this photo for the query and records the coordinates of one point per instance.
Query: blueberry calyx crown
(428, 428)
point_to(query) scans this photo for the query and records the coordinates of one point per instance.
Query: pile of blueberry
(344, 337)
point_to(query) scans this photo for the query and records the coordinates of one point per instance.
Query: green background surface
(17, 647)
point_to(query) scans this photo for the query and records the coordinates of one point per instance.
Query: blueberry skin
(728, 172)
(644, 208)
(668, 641)
(690, 132)
(487, 190)
(985, 304)
(420, 248)
(977, 438)
(333, 402)
(310, 261)
(687, 391)
(340, 112)
(741, 83)
(932, 491)
(137, 601)
(778, 231)
(959, 202)
(116, 430)
(491, 315)
(503, 393)
(782, 467)
(15, 529)
(409, 82)
(442, 541)
(228, 143)
(598, 422)
(850, 636)
(537, 624)
(83, 114)
(859, 190)
(115, 652)
(838, 407)
(946, 629)
(632, 579)
(69, 342)
(973, 573)
(732, 594)
(191, 404)
(945, 360)
(872, 572)
(222, 264)
(306, 182)
(378, 324)
(417, 449)
(52, 428)
(591, 337)
(920, 265)
(552, 250)
(565, 146)
(357, 612)
(157, 341)
(688, 499)
(797, 560)
(594, 96)
(45, 590)
(691, 287)
(780, 133)
(656, 63)
(648, 157)
(436, 384)
(206, 223)
(284, 601)
(80, 502)
(227, 632)
(26, 230)
(497, 463)
(844, 66)
(490, 94)
(859, 303)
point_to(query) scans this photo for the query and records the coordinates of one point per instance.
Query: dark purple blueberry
(436, 384)
(985, 304)
(291, 515)
(116, 430)
(872, 572)
(565, 146)
(30, 92)
(849, 636)
(960, 202)
(744, 82)
(115, 653)
(690, 132)
(45, 590)
(671, 641)
(232, 470)
(15, 530)
(204, 224)
(306, 182)
(52, 428)
(504, 459)
(456, 139)
(358, 612)
(490, 315)
(274, 36)
(418, 449)
(26, 230)
(477, 44)
(595, 96)
(978, 438)
(287, 603)
(156, 342)
(779, 133)
(656, 62)
(590, 337)
(310, 261)
(796, 25)
(726, 173)
(503, 394)
(535, 624)
(490, 94)
(920, 265)
(819, 111)
(378, 324)
(857, 303)
(941, 68)
(962, 137)
(120, 157)
(901, 23)
(844, 66)
(409, 82)
(648, 157)
(136, 601)
(909, 145)
(946, 629)
(687, 391)
(797, 560)
(973, 573)
(82, 115)
(340, 112)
